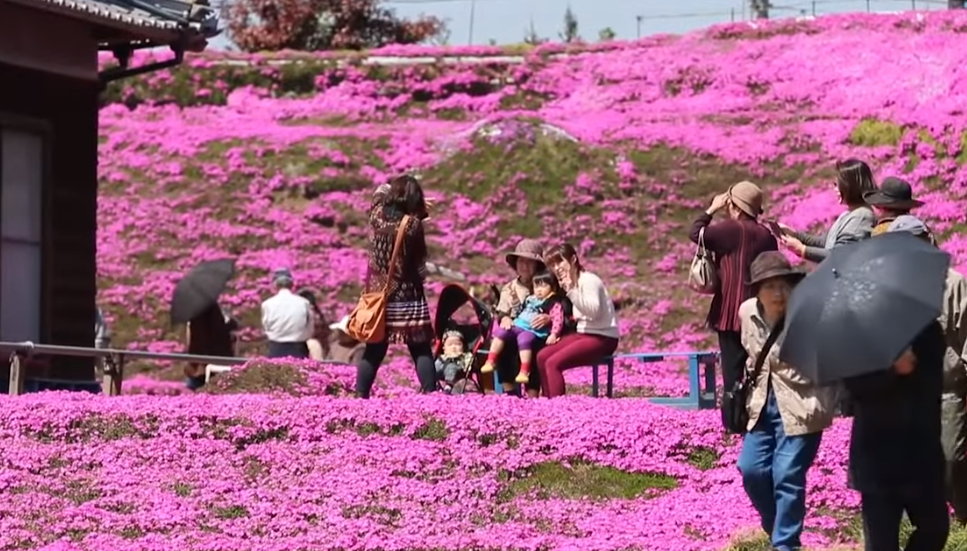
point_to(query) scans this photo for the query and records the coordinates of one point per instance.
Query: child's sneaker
(487, 368)
(523, 378)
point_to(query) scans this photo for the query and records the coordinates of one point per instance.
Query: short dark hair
(548, 278)
(854, 178)
(564, 251)
(406, 195)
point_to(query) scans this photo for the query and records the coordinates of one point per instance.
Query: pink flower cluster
(264, 473)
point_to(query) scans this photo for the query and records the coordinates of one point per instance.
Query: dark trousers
(731, 350)
(926, 506)
(373, 356)
(288, 350)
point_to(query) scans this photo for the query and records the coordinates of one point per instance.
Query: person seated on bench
(597, 324)
(526, 260)
(548, 298)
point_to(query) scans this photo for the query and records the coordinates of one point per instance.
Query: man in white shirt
(287, 320)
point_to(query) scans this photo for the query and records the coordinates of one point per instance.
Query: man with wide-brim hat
(526, 259)
(787, 413)
(893, 199)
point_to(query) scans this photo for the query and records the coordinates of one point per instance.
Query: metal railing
(113, 361)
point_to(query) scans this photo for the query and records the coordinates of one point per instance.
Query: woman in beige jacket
(787, 413)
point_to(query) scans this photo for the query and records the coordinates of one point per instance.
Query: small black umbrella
(200, 289)
(863, 306)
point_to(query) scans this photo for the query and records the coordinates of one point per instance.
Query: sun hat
(341, 325)
(526, 248)
(747, 197)
(893, 193)
(908, 223)
(772, 264)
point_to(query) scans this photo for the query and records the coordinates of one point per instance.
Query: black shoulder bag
(735, 414)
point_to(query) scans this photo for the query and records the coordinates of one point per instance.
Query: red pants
(573, 350)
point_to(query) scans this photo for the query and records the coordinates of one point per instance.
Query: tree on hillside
(760, 8)
(570, 31)
(531, 37)
(606, 34)
(955, 4)
(256, 25)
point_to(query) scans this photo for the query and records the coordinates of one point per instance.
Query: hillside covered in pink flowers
(613, 146)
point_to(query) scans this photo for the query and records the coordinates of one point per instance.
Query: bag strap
(701, 240)
(770, 342)
(397, 245)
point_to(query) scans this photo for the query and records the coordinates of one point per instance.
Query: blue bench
(701, 369)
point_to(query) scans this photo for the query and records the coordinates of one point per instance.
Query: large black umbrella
(863, 306)
(200, 289)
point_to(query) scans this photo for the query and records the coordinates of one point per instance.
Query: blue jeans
(773, 468)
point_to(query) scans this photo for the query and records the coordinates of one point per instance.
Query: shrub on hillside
(293, 378)
(256, 25)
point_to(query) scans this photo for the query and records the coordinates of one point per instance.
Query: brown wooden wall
(69, 107)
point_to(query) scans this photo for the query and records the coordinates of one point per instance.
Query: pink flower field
(615, 147)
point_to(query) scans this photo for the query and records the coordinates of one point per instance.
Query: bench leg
(709, 393)
(694, 383)
(594, 381)
(610, 382)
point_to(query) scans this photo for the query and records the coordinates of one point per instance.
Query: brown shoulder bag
(367, 322)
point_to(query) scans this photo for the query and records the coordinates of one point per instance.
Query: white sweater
(593, 308)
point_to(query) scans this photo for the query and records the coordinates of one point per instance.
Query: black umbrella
(863, 306)
(200, 289)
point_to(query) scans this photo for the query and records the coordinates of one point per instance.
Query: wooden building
(48, 153)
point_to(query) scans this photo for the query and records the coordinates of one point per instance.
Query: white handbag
(702, 277)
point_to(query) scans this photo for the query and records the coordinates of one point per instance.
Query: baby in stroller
(454, 361)
(548, 298)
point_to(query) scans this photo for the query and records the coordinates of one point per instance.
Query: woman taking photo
(854, 179)
(596, 335)
(407, 312)
(787, 413)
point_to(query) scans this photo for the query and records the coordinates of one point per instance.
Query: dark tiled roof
(162, 15)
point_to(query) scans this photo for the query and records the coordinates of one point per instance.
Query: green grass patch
(874, 132)
(703, 458)
(585, 480)
(433, 429)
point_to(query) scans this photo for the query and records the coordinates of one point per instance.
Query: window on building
(21, 207)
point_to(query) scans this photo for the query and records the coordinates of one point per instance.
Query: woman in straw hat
(735, 242)
(526, 260)
(787, 413)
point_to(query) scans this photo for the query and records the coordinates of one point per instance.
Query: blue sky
(506, 20)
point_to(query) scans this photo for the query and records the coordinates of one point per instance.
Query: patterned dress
(407, 312)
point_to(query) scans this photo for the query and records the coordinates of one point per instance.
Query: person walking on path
(854, 180)
(407, 312)
(526, 260)
(735, 242)
(596, 334)
(896, 456)
(954, 405)
(287, 320)
(787, 413)
(893, 199)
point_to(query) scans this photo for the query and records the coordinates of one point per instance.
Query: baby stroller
(475, 333)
